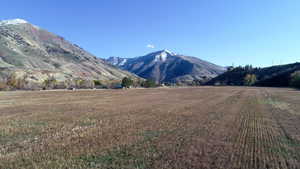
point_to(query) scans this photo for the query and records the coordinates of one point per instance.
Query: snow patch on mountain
(117, 61)
(169, 52)
(123, 62)
(161, 57)
(12, 22)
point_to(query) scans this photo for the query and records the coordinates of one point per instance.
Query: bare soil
(179, 128)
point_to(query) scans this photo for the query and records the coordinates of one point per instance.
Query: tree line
(247, 76)
(128, 83)
(14, 82)
(251, 79)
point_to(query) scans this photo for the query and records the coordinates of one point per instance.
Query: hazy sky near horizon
(257, 32)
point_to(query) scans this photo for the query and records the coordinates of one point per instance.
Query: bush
(250, 80)
(69, 83)
(295, 80)
(3, 86)
(16, 83)
(127, 82)
(149, 83)
(138, 83)
(60, 85)
(31, 85)
(84, 84)
(50, 83)
(97, 83)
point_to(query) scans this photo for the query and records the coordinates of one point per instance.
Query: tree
(97, 83)
(250, 80)
(295, 80)
(16, 82)
(3, 86)
(127, 82)
(248, 68)
(138, 83)
(83, 83)
(230, 68)
(149, 83)
(50, 83)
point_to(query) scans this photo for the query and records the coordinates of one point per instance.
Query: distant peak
(167, 52)
(13, 22)
(163, 55)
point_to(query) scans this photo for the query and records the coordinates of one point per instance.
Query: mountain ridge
(28, 49)
(167, 66)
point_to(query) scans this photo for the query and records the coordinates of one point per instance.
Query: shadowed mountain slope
(274, 76)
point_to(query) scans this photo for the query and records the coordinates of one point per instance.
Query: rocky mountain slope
(30, 51)
(166, 66)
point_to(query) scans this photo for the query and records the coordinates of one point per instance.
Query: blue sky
(257, 32)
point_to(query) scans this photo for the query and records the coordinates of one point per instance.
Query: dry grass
(207, 127)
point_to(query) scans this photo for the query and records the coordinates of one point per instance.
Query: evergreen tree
(127, 82)
(149, 83)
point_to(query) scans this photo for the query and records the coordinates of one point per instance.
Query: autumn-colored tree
(295, 80)
(50, 83)
(16, 82)
(3, 86)
(250, 80)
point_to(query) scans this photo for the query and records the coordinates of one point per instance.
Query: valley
(197, 127)
(149, 84)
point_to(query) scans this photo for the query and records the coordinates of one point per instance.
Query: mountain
(167, 66)
(34, 53)
(117, 61)
(274, 76)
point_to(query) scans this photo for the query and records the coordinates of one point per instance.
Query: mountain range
(35, 54)
(167, 66)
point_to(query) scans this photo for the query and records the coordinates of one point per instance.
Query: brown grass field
(183, 128)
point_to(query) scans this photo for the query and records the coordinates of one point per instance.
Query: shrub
(31, 85)
(3, 86)
(149, 83)
(16, 83)
(69, 83)
(138, 83)
(250, 80)
(97, 83)
(127, 82)
(295, 80)
(196, 82)
(50, 83)
(60, 85)
(84, 84)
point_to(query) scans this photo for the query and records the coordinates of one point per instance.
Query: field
(205, 127)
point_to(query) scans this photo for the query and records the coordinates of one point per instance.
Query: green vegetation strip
(288, 150)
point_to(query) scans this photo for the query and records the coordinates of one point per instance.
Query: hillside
(35, 54)
(166, 66)
(274, 76)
